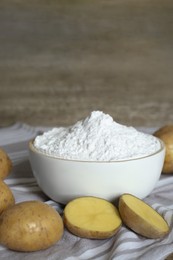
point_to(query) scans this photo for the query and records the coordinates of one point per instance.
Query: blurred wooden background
(60, 60)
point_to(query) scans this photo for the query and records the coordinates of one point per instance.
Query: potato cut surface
(92, 217)
(142, 218)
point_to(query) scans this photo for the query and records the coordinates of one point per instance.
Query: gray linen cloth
(125, 245)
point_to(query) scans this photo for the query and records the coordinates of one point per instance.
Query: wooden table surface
(60, 60)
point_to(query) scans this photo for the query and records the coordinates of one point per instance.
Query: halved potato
(141, 218)
(92, 217)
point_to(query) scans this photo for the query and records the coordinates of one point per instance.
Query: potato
(165, 133)
(91, 217)
(5, 164)
(6, 197)
(141, 218)
(30, 226)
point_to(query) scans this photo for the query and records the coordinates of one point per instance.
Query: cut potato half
(141, 218)
(92, 217)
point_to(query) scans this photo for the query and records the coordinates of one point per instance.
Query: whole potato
(30, 226)
(165, 133)
(5, 164)
(6, 197)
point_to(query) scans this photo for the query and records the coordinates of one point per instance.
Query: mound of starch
(96, 138)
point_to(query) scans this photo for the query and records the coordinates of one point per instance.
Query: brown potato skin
(133, 221)
(5, 164)
(165, 133)
(6, 197)
(30, 226)
(89, 234)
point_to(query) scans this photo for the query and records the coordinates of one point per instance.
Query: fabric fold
(125, 245)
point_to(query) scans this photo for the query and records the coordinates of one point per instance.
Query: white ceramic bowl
(63, 180)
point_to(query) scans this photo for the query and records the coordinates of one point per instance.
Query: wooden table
(60, 60)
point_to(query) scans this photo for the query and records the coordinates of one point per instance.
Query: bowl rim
(35, 150)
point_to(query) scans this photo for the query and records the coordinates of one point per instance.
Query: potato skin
(139, 222)
(5, 164)
(165, 133)
(89, 234)
(30, 226)
(6, 197)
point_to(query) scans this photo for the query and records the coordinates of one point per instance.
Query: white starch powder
(97, 138)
